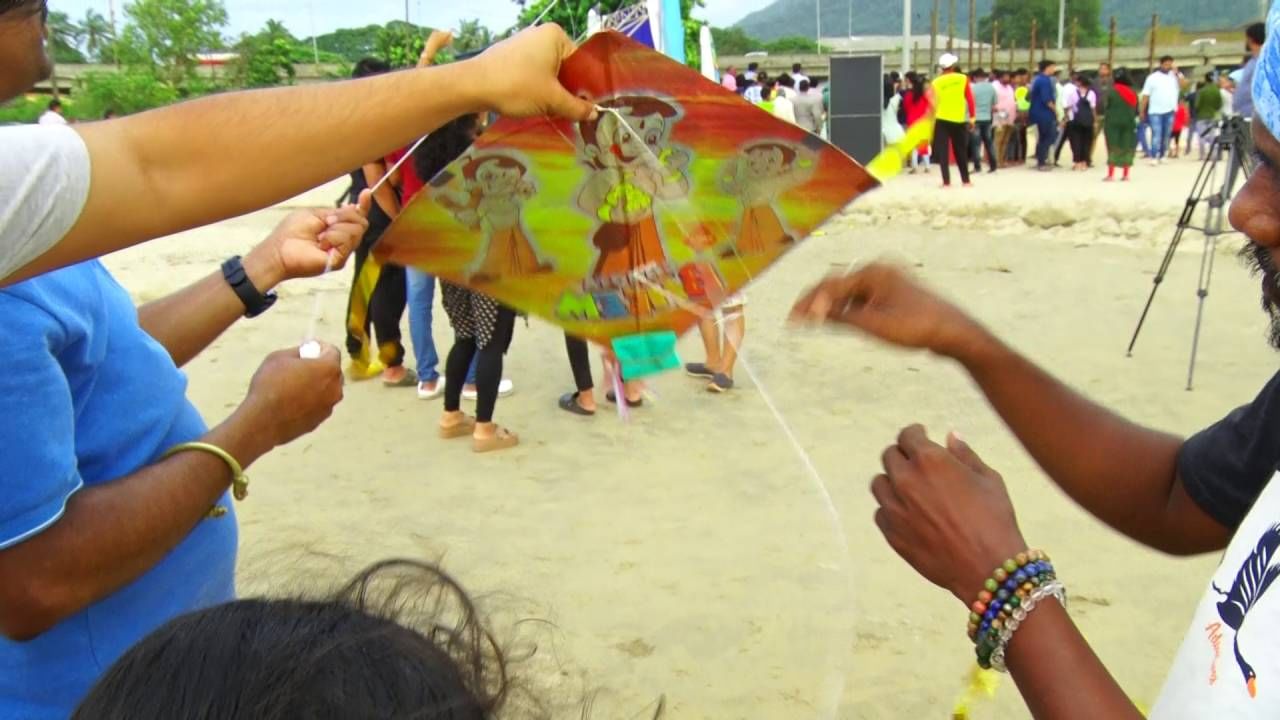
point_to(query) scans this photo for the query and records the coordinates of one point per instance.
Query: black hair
(55, 104)
(786, 81)
(1210, 77)
(1020, 71)
(890, 89)
(805, 86)
(400, 640)
(370, 66)
(797, 67)
(917, 83)
(24, 7)
(1046, 64)
(753, 66)
(978, 72)
(894, 76)
(1121, 77)
(444, 146)
(1165, 59)
(1256, 32)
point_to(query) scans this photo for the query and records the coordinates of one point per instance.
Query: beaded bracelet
(1052, 589)
(1004, 592)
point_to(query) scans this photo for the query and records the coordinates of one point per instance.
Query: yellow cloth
(950, 89)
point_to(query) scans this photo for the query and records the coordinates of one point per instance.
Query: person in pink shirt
(1005, 115)
(730, 79)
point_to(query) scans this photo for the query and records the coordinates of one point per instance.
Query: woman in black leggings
(482, 330)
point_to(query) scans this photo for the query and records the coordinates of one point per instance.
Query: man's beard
(1261, 264)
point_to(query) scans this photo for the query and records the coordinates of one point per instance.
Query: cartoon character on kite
(632, 164)
(495, 188)
(760, 174)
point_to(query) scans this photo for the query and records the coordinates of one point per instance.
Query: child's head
(401, 640)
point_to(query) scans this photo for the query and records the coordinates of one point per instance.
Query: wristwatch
(255, 302)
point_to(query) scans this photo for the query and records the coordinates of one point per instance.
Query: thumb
(565, 104)
(965, 454)
(365, 202)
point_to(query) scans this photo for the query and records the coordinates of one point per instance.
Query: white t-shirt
(1234, 634)
(784, 109)
(800, 76)
(44, 184)
(1162, 88)
(51, 118)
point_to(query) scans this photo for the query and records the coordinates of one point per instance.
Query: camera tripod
(1231, 148)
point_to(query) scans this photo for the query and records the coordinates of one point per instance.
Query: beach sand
(690, 555)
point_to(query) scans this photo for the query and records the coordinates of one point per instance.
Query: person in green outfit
(1121, 125)
(1207, 111)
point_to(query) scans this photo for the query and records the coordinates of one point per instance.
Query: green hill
(884, 17)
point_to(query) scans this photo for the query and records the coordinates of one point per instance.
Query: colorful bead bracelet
(1004, 593)
(1052, 589)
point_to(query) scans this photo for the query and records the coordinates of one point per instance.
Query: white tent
(708, 54)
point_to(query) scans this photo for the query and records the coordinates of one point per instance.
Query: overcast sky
(302, 16)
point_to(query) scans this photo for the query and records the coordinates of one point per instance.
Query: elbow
(29, 609)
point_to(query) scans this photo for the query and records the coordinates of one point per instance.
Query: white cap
(947, 61)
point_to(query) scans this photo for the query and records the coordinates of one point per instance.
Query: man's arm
(305, 244)
(1121, 472)
(198, 162)
(111, 534)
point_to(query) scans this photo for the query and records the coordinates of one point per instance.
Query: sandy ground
(690, 555)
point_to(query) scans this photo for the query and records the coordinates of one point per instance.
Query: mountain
(884, 17)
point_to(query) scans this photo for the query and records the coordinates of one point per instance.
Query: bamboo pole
(1012, 59)
(1031, 46)
(1075, 29)
(1151, 47)
(933, 35)
(995, 41)
(1111, 45)
(951, 28)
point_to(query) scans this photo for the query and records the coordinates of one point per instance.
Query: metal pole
(1111, 45)
(850, 18)
(1151, 49)
(1075, 29)
(1031, 46)
(973, 11)
(933, 35)
(951, 28)
(1062, 20)
(818, 18)
(995, 41)
(906, 36)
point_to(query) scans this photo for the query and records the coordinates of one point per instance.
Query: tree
(472, 36)
(168, 35)
(792, 45)
(64, 38)
(734, 41)
(97, 35)
(1015, 18)
(572, 16)
(400, 43)
(266, 58)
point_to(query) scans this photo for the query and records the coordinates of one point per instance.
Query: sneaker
(721, 383)
(699, 370)
(1153, 162)
(431, 390)
(505, 388)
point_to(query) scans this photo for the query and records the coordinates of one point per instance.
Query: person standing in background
(1102, 88)
(1207, 112)
(730, 79)
(890, 128)
(810, 114)
(1181, 121)
(783, 108)
(1120, 126)
(798, 76)
(1227, 87)
(1022, 96)
(1254, 38)
(915, 104)
(1159, 104)
(754, 92)
(1068, 94)
(1005, 117)
(984, 103)
(53, 114)
(952, 100)
(1081, 123)
(1043, 113)
(753, 71)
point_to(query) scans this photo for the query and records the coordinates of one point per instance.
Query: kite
(625, 229)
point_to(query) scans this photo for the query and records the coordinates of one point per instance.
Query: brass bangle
(239, 481)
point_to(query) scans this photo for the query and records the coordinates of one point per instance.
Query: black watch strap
(255, 302)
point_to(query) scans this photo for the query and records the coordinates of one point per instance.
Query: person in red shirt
(1181, 121)
(915, 105)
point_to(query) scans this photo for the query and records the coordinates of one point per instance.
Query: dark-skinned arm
(113, 533)
(1123, 473)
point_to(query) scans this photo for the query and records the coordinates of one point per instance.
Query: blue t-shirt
(1043, 92)
(86, 397)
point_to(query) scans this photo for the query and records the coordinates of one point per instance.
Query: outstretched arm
(198, 162)
(1123, 473)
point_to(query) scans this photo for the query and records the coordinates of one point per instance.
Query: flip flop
(410, 379)
(612, 397)
(503, 440)
(569, 403)
(466, 428)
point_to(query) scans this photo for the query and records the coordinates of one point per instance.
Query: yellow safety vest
(949, 88)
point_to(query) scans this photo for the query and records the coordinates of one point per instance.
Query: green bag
(640, 356)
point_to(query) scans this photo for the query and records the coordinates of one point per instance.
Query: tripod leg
(1208, 169)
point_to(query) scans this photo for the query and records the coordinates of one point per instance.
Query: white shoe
(1160, 161)
(505, 388)
(431, 390)
(1153, 162)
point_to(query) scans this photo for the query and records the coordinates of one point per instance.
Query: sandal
(466, 428)
(503, 440)
(410, 379)
(569, 403)
(612, 397)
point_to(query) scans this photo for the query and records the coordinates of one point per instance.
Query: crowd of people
(793, 97)
(1008, 118)
(118, 534)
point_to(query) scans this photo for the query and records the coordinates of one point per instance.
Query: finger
(365, 202)
(965, 454)
(885, 523)
(914, 441)
(885, 495)
(896, 465)
(565, 104)
(329, 355)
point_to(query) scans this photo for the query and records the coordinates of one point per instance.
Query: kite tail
(358, 314)
(890, 162)
(982, 686)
